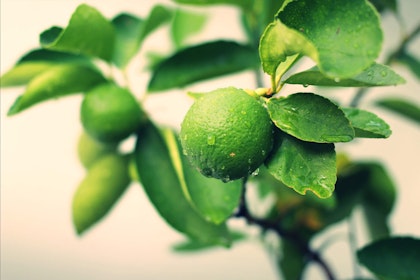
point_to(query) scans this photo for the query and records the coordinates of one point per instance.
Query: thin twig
(265, 225)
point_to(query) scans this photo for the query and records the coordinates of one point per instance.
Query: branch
(265, 225)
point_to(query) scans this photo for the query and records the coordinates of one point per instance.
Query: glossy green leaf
(379, 199)
(185, 24)
(213, 199)
(127, 43)
(57, 81)
(193, 246)
(200, 62)
(303, 165)
(240, 3)
(88, 32)
(98, 192)
(310, 117)
(405, 108)
(375, 75)
(160, 178)
(394, 258)
(367, 124)
(324, 30)
(36, 62)
(411, 62)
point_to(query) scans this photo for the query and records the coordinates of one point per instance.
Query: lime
(110, 113)
(227, 134)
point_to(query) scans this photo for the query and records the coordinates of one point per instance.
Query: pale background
(40, 171)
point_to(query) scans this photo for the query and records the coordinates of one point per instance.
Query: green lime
(110, 113)
(227, 134)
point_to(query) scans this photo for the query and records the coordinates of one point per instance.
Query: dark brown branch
(265, 225)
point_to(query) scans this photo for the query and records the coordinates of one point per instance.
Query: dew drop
(337, 80)
(384, 73)
(305, 85)
(256, 172)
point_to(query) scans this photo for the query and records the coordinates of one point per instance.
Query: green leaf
(310, 117)
(100, 190)
(395, 258)
(375, 75)
(131, 32)
(411, 62)
(240, 3)
(382, 5)
(200, 62)
(292, 261)
(88, 32)
(57, 81)
(303, 165)
(36, 62)
(379, 199)
(184, 24)
(153, 158)
(213, 199)
(342, 45)
(367, 124)
(192, 246)
(127, 43)
(90, 150)
(405, 108)
(157, 17)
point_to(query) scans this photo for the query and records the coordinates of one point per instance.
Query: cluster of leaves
(343, 38)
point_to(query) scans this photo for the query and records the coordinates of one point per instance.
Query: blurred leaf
(292, 261)
(382, 5)
(127, 41)
(303, 165)
(240, 3)
(98, 192)
(192, 246)
(88, 32)
(349, 192)
(37, 61)
(379, 199)
(375, 75)
(310, 117)
(157, 17)
(90, 150)
(394, 258)
(57, 81)
(340, 48)
(205, 61)
(153, 158)
(405, 108)
(411, 62)
(184, 24)
(367, 124)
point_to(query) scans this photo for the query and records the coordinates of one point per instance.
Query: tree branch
(265, 225)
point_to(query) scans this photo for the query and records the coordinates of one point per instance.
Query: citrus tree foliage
(312, 186)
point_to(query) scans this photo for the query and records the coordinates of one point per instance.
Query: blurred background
(40, 170)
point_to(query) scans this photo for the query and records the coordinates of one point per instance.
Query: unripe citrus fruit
(110, 113)
(227, 134)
